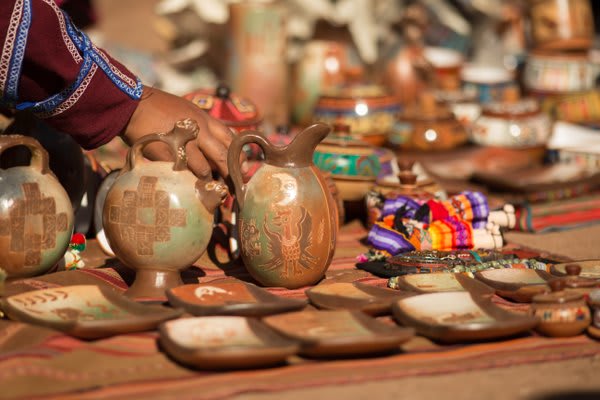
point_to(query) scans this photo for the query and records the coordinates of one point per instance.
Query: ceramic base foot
(152, 284)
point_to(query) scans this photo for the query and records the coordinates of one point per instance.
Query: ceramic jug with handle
(287, 218)
(36, 216)
(158, 216)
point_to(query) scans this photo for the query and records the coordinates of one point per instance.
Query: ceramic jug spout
(301, 149)
(211, 193)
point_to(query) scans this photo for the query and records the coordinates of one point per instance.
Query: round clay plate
(224, 343)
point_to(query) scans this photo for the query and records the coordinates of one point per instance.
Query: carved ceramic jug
(158, 216)
(288, 218)
(36, 217)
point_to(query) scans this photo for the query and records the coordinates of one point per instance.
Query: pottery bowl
(487, 83)
(559, 73)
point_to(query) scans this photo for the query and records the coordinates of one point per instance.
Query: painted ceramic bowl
(487, 83)
(429, 126)
(561, 24)
(512, 124)
(561, 313)
(368, 109)
(36, 216)
(559, 72)
(581, 107)
(446, 64)
(353, 163)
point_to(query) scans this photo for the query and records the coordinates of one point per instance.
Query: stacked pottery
(428, 126)
(368, 109)
(513, 122)
(560, 69)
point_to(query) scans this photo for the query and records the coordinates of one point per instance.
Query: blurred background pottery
(561, 24)
(288, 219)
(158, 217)
(548, 72)
(368, 109)
(446, 65)
(429, 126)
(36, 217)
(487, 83)
(512, 123)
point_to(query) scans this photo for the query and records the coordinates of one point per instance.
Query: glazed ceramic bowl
(561, 24)
(512, 124)
(446, 64)
(368, 109)
(487, 83)
(559, 72)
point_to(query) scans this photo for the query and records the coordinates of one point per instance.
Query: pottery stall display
(551, 73)
(428, 126)
(512, 123)
(368, 109)
(36, 216)
(288, 219)
(487, 83)
(216, 343)
(561, 24)
(353, 164)
(158, 217)
(561, 313)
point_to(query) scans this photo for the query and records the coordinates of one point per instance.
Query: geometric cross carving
(24, 219)
(144, 216)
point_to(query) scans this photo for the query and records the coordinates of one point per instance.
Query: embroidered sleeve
(49, 67)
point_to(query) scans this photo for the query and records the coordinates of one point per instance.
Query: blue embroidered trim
(16, 60)
(90, 57)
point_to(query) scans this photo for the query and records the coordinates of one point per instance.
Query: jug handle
(39, 155)
(184, 131)
(233, 157)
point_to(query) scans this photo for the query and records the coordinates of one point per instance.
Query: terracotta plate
(228, 342)
(459, 316)
(230, 298)
(516, 284)
(85, 311)
(369, 299)
(339, 332)
(589, 268)
(440, 282)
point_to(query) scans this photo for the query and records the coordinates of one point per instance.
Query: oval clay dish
(339, 333)
(459, 316)
(358, 296)
(224, 342)
(230, 298)
(516, 284)
(85, 311)
(440, 282)
(589, 268)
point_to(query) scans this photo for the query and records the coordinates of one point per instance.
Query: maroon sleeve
(49, 67)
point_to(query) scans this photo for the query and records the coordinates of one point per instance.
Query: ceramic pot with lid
(512, 123)
(36, 216)
(430, 126)
(368, 109)
(158, 217)
(288, 218)
(562, 313)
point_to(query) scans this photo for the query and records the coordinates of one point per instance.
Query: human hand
(158, 111)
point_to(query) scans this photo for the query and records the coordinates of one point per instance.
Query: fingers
(215, 146)
(197, 163)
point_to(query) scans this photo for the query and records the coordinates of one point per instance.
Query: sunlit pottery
(36, 216)
(368, 109)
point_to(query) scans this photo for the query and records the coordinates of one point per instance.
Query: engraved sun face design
(288, 191)
(209, 291)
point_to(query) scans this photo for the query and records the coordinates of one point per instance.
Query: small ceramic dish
(230, 298)
(369, 299)
(589, 269)
(224, 343)
(440, 282)
(339, 333)
(459, 316)
(516, 284)
(85, 311)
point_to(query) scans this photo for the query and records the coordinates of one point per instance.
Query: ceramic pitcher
(288, 218)
(36, 217)
(158, 216)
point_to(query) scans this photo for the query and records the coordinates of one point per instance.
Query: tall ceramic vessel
(158, 216)
(288, 218)
(36, 217)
